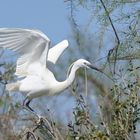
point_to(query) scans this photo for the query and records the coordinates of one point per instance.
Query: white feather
(29, 44)
(56, 51)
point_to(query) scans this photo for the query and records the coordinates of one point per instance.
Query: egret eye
(85, 63)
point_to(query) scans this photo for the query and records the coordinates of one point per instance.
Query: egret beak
(93, 67)
(97, 69)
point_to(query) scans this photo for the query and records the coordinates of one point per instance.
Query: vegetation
(111, 39)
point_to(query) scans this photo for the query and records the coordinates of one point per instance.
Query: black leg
(26, 103)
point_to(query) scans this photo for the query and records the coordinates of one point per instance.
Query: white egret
(32, 47)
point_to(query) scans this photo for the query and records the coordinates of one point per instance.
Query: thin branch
(28, 134)
(130, 1)
(72, 16)
(118, 40)
(115, 32)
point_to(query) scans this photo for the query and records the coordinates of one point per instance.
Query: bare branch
(131, 1)
(115, 32)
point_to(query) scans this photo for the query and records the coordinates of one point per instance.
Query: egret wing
(29, 44)
(56, 51)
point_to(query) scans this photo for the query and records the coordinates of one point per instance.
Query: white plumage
(33, 49)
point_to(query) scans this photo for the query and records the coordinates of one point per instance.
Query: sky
(50, 16)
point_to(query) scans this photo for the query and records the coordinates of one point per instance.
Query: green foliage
(124, 112)
(83, 128)
(1, 102)
(9, 70)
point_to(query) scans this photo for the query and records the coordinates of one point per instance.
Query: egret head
(82, 63)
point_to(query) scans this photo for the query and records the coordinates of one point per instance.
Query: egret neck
(65, 84)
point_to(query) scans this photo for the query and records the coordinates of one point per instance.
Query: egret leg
(26, 103)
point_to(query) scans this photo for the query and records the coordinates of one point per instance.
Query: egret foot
(40, 119)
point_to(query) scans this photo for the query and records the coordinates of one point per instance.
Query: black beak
(97, 69)
(94, 68)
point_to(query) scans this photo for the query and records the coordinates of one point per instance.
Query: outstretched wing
(56, 51)
(31, 45)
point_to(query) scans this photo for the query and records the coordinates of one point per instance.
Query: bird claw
(40, 119)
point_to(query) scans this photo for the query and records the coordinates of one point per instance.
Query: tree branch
(131, 1)
(115, 32)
